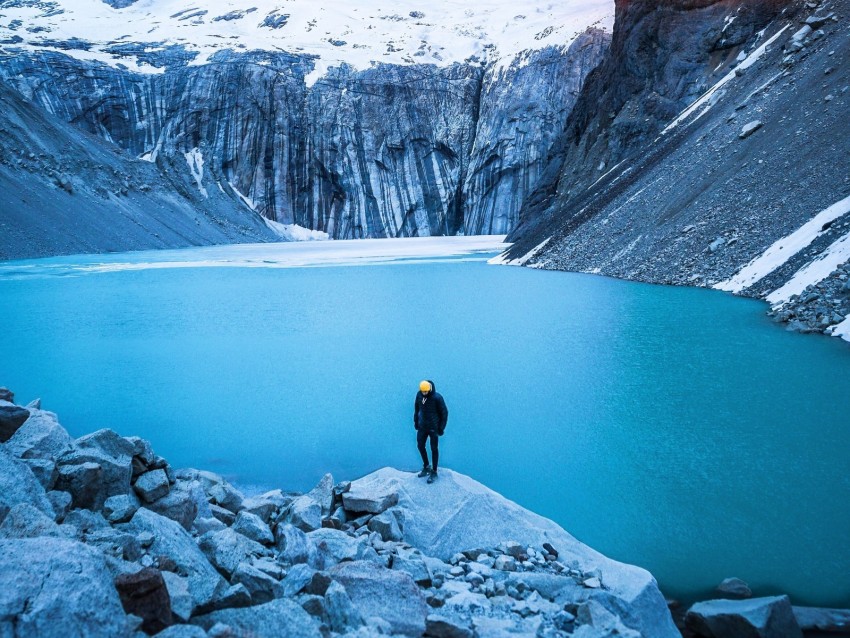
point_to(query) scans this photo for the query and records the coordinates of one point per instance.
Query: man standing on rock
(429, 418)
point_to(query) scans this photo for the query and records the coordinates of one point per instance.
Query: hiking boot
(432, 476)
(425, 471)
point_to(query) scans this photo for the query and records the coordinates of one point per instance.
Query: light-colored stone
(342, 614)
(440, 626)
(260, 585)
(49, 585)
(769, 617)
(152, 485)
(735, 588)
(178, 590)
(274, 619)
(371, 496)
(120, 508)
(19, 485)
(253, 527)
(226, 549)
(26, 521)
(332, 546)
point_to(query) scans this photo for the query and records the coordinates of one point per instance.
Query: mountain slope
(694, 197)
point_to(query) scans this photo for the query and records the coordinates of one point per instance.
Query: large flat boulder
(275, 619)
(40, 437)
(380, 592)
(457, 513)
(19, 485)
(57, 588)
(768, 617)
(12, 417)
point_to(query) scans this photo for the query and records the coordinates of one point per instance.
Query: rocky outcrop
(755, 618)
(390, 151)
(485, 564)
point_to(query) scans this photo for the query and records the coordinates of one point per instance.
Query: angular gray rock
(297, 579)
(92, 475)
(457, 513)
(384, 593)
(253, 527)
(260, 585)
(26, 521)
(40, 437)
(225, 495)
(19, 485)
(769, 617)
(49, 585)
(333, 546)
(274, 619)
(734, 588)
(342, 615)
(182, 631)
(12, 417)
(266, 505)
(178, 592)
(226, 549)
(292, 544)
(386, 524)
(440, 626)
(372, 496)
(171, 540)
(152, 485)
(750, 128)
(178, 504)
(120, 508)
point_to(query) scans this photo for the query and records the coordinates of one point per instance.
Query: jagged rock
(7, 395)
(550, 586)
(113, 542)
(821, 619)
(120, 508)
(770, 617)
(342, 615)
(144, 594)
(225, 495)
(304, 513)
(458, 513)
(373, 497)
(292, 544)
(204, 525)
(253, 527)
(750, 128)
(18, 485)
(61, 502)
(26, 521)
(505, 563)
(735, 588)
(412, 563)
(224, 515)
(387, 594)
(48, 588)
(233, 597)
(179, 505)
(313, 605)
(178, 594)
(266, 505)
(86, 521)
(260, 585)
(44, 471)
(152, 485)
(297, 579)
(386, 524)
(171, 540)
(12, 417)
(444, 627)
(92, 475)
(331, 547)
(270, 567)
(593, 620)
(277, 618)
(40, 437)
(108, 442)
(226, 549)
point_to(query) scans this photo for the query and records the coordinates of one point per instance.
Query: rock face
(755, 618)
(50, 586)
(390, 151)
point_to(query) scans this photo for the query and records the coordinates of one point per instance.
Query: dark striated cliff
(387, 151)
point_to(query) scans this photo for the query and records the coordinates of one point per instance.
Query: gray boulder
(734, 588)
(179, 504)
(61, 502)
(822, 619)
(342, 615)
(19, 485)
(7, 395)
(595, 621)
(265, 506)
(253, 527)
(115, 543)
(152, 485)
(769, 617)
(182, 631)
(178, 592)
(292, 544)
(457, 513)
(304, 513)
(226, 549)
(171, 540)
(44, 471)
(390, 595)
(333, 546)
(386, 524)
(297, 579)
(26, 521)
(412, 563)
(12, 417)
(120, 508)
(108, 442)
(49, 585)
(750, 128)
(370, 495)
(260, 585)
(225, 495)
(271, 620)
(40, 437)
(91, 476)
(440, 626)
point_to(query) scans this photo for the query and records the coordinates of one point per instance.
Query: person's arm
(444, 415)
(416, 412)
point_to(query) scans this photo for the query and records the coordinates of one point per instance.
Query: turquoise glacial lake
(675, 428)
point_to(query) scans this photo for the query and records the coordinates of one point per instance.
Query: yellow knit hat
(424, 386)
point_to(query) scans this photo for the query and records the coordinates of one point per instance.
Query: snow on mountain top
(358, 33)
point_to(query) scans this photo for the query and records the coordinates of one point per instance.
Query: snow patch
(818, 270)
(195, 160)
(294, 232)
(245, 199)
(783, 249)
(747, 63)
(501, 260)
(842, 329)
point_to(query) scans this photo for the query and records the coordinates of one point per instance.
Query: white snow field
(357, 33)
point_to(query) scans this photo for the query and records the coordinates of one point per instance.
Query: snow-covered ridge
(360, 34)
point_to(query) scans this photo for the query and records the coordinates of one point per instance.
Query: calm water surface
(678, 429)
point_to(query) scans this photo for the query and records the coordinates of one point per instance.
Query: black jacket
(430, 413)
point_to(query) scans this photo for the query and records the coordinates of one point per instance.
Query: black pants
(421, 436)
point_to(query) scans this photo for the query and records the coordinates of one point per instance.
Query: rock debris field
(99, 536)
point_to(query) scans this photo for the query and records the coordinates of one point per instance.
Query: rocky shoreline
(99, 536)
